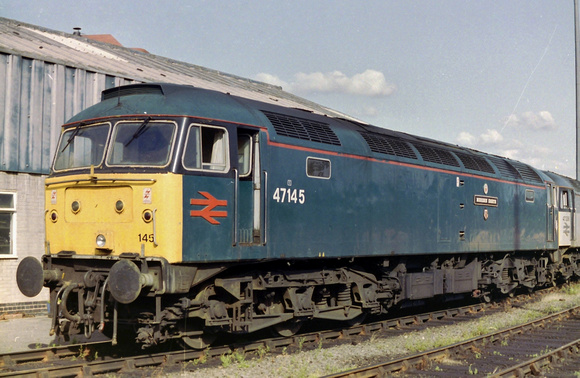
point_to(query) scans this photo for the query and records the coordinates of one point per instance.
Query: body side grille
(303, 129)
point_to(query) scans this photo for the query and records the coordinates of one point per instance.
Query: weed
(546, 350)
(301, 342)
(472, 371)
(226, 359)
(551, 309)
(572, 290)
(238, 357)
(82, 354)
(262, 351)
(201, 360)
(299, 370)
(482, 328)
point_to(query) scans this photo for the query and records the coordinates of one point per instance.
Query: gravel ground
(323, 361)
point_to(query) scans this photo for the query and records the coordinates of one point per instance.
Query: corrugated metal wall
(36, 99)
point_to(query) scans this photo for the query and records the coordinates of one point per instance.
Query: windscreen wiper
(139, 131)
(74, 134)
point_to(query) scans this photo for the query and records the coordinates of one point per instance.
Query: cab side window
(244, 155)
(564, 200)
(206, 149)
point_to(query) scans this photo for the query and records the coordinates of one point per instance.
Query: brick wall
(28, 308)
(29, 239)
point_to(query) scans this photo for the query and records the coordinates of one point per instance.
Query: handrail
(265, 224)
(236, 189)
(95, 180)
(155, 227)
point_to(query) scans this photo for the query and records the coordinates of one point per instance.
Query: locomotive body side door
(550, 212)
(208, 194)
(565, 216)
(249, 228)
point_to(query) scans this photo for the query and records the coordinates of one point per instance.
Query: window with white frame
(7, 218)
(206, 149)
(318, 168)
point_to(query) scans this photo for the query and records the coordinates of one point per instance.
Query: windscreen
(82, 146)
(144, 143)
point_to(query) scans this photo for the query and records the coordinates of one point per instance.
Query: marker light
(147, 216)
(101, 241)
(75, 206)
(53, 216)
(119, 206)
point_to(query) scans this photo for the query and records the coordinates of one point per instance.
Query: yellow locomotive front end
(112, 214)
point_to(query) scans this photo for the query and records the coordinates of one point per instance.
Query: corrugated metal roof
(47, 76)
(77, 51)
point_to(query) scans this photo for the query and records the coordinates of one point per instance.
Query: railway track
(556, 363)
(96, 358)
(528, 349)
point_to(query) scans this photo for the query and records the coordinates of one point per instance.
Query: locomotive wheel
(196, 338)
(198, 342)
(288, 328)
(357, 320)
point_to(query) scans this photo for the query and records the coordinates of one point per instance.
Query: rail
(420, 361)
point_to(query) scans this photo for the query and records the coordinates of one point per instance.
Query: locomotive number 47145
(289, 195)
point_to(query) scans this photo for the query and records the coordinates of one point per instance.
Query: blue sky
(497, 76)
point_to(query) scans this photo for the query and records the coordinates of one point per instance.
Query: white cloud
(465, 139)
(513, 154)
(271, 79)
(542, 120)
(369, 83)
(367, 111)
(491, 136)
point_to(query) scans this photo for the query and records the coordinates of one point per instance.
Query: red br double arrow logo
(208, 213)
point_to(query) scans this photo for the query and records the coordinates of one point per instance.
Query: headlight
(119, 206)
(101, 241)
(75, 206)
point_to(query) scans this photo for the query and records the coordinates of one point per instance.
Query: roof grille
(388, 145)
(527, 172)
(436, 155)
(128, 90)
(506, 170)
(475, 163)
(301, 128)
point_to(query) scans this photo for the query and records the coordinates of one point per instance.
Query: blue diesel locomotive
(174, 212)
